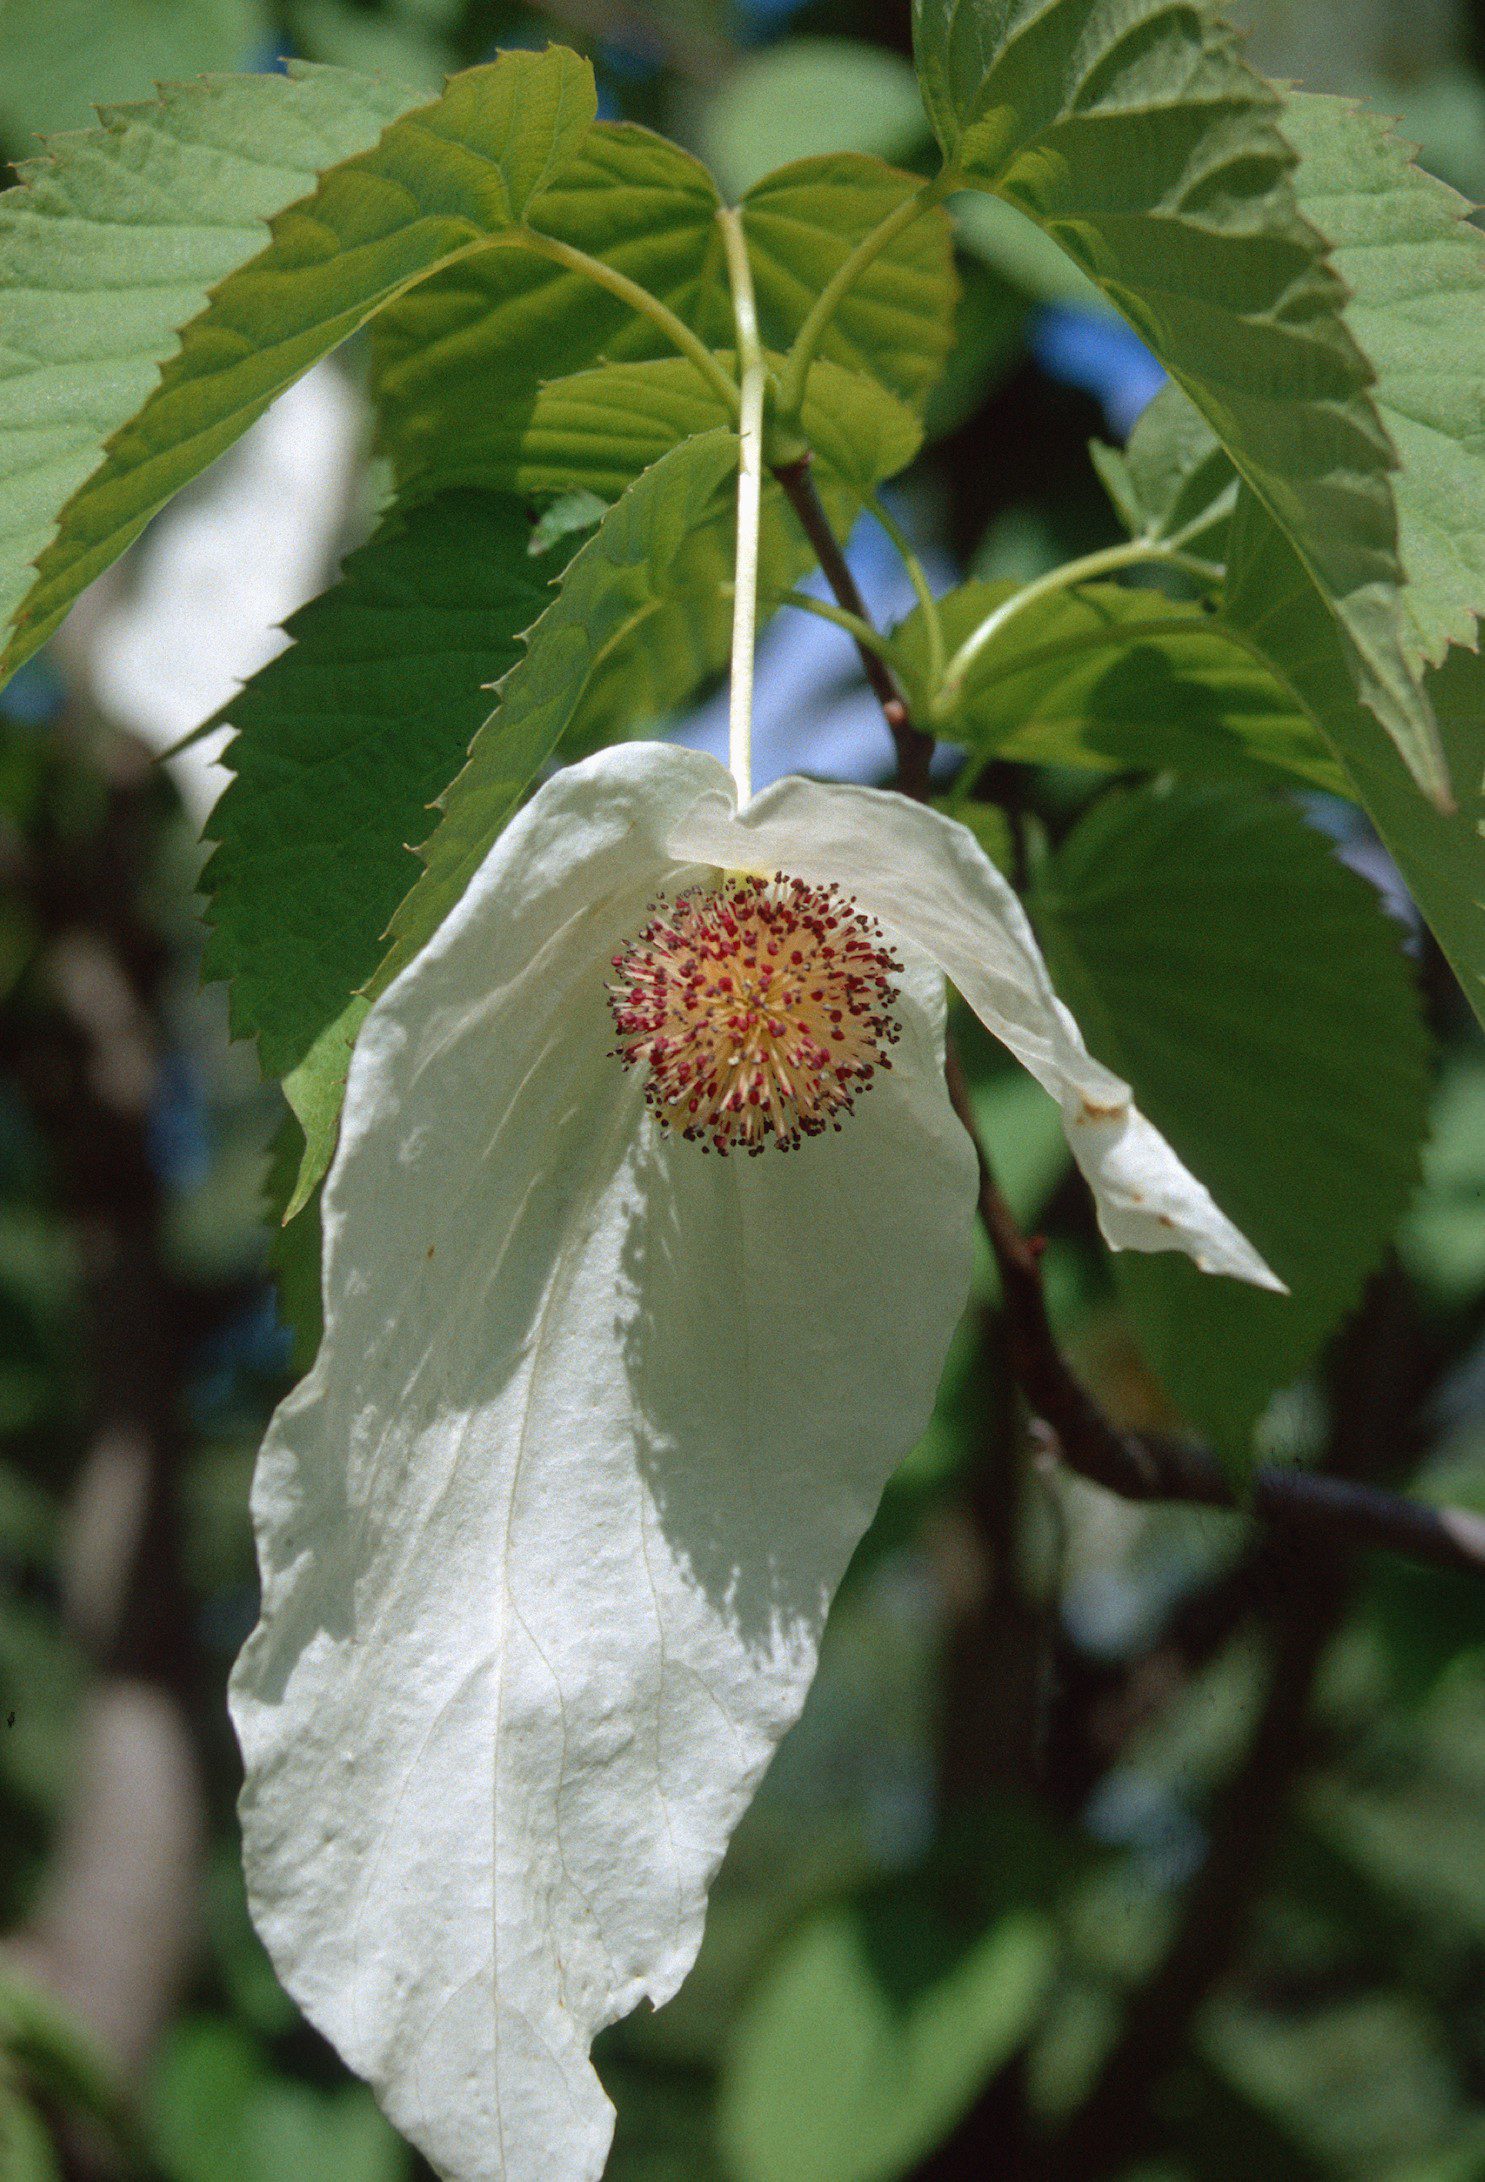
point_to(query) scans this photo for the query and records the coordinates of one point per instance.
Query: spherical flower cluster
(760, 1009)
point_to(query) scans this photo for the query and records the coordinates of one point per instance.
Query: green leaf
(59, 59)
(440, 183)
(315, 1090)
(576, 405)
(597, 430)
(1132, 131)
(895, 322)
(853, 2059)
(1256, 995)
(507, 320)
(807, 96)
(1441, 854)
(343, 742)
(1174, 476)
(641, 617)
(294, 1262)
(113, 242)
(1415, 265)
(1122, 680)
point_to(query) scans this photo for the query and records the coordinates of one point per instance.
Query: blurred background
(1113, 1842)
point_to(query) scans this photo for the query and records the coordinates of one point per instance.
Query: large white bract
(549, 1534)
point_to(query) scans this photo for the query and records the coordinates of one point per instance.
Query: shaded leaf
(343, 742)
(598, 429)
(1122, 680)
(1256, 995)
(639, 620)
(1174, 476)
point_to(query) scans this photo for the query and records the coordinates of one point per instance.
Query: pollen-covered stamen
(759, 1009)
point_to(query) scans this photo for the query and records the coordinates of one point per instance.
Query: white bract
(549, 1533)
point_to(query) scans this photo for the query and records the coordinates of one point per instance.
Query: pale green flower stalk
(549, 1534)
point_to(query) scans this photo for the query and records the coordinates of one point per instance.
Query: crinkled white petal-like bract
(549, 1533)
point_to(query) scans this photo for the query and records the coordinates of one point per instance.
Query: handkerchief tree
(646, 1170)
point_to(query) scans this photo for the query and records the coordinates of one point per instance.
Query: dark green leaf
(1256, 995)
(640, 618)
(343, 742)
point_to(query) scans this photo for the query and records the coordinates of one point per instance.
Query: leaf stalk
(753, 375)
(846, 274)
(1148, 552)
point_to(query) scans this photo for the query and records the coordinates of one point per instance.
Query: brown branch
(1134, 1465)
(914, 748)
(1138, 1466)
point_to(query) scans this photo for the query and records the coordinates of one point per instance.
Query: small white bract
(549, 1534)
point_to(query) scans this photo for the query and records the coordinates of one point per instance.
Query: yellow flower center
(760, 1009)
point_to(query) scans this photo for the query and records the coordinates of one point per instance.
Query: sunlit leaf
(114, 242)
(1133, 132)
(1414, 263)
(1441, 855)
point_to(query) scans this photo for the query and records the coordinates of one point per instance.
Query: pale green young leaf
(442, 182)
(1122, 680)
(113, 243)
(61, 59)
(1174, 476)
(1441, 855)
(1257, 996)
(462, 358)
(895, 322)
(1133, 132)
(1414, 263)
(343, 742)
(598, 429)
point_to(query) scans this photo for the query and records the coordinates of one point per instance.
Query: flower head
(549, 1533)
(758, 1009)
